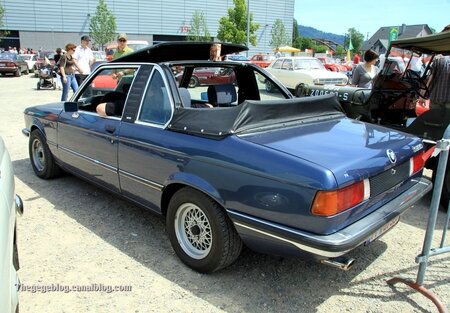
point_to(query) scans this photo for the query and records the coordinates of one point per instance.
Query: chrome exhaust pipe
(341, 263)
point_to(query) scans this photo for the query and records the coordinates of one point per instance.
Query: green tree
(357, 39)
(278, 33)
(233, 28)
(295, 33)
(2, 32)
(198, 30)
(102, 26)
(340, 50)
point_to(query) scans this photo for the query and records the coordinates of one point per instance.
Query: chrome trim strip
(141, 180)
(300, 246)
(91, 160)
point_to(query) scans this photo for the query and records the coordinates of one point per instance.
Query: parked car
(295, 71)
(11, 63)
(10, 206)
(331, 65)
(283, 175)
(237, 58)
(99, 55)
(394, 99)
(31, 60)
(209, 76)
(133, 44)
(262, 60)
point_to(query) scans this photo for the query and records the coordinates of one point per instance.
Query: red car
(11, 63)
(209, 76)
(331, 65)
(262, 60)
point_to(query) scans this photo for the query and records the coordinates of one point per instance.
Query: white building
(53, 23)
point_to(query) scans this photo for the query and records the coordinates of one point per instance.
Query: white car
(10, 205)
(99, 55)
(293, 71)
(31, 61)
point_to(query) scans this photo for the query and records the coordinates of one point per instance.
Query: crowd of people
(75, 65)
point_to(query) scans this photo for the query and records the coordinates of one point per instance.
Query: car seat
(185, 97)
(222, 95)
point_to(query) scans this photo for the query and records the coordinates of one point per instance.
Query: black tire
(193, 82)
(18, 73)
(38, 85)
(211, 242)
(54, 86)
(41, 158)
(27, 71)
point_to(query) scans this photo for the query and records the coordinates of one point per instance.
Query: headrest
(222, 94)
(185, 97)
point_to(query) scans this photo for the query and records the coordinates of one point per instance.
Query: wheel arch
(180, 180)
(36, 124)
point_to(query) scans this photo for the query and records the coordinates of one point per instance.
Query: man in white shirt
(85, 58)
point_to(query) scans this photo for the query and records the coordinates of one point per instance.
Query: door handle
(110, 128)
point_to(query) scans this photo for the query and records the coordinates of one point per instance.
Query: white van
(137, 44)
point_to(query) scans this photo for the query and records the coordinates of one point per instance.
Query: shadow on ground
(260, 282)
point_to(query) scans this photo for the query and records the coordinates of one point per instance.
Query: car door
(145, 162)
(88, 142)
(276, 70)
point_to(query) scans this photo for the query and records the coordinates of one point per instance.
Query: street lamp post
(248, 25)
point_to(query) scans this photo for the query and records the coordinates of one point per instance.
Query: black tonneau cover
(251, 116)
(436, 43)
(178, 51)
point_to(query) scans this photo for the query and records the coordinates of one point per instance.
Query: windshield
(26, 57)
(268, 57)
(308, 64)
(8, 56)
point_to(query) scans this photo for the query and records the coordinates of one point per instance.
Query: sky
(368, 16)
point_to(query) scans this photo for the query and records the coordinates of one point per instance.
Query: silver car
(10, 206)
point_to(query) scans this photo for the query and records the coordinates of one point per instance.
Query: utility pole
(248, 25)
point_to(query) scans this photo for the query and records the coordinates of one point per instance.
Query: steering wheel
(418, 84)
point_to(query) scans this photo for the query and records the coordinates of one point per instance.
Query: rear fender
(182, 179)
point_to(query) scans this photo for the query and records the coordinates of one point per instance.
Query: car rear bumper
(263, 235)
(5, 70)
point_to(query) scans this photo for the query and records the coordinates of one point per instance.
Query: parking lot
(83, 250)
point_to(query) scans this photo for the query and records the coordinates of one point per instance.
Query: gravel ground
(73, 234)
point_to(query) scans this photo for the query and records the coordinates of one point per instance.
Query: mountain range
(311, 32)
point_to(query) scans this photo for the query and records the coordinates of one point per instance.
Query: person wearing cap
(85, 58)
(122, 49)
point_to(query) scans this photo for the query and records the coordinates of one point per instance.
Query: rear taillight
(328, 203)
(416, 163)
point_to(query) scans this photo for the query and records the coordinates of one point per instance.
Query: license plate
(382, 230)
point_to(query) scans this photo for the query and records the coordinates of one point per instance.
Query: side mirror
(70, 106)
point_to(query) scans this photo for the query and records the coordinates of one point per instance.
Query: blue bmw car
(229, 164)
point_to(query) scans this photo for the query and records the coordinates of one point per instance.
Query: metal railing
(427, 251)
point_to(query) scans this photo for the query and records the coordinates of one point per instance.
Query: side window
(108, 85)
(287, 64)
(277, 64)
(267, 89)
(156, 107)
